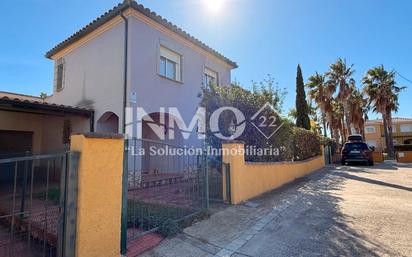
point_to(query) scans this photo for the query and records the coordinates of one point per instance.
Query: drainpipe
(126, 36)
(123, 229)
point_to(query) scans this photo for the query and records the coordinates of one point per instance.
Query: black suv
(358, 152)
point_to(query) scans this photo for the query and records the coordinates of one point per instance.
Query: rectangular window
(406, 128)
(59, 74)
(370, 130)
(170, 64)
(210, 77)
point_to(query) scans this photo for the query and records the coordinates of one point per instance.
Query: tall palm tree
(321, 93)
(337, 123)
(358, 109)
(340, 77)
(380, 85)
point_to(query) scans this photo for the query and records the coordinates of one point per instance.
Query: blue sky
(262, 36)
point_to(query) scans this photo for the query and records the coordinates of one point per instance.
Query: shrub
(293, 144)
(53, 195)
(168, 228)
(306, 144)
(153, 215)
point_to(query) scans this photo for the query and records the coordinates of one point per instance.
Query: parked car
(357, 152)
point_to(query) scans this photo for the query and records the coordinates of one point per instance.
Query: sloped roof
(117, 10)
(24, 103)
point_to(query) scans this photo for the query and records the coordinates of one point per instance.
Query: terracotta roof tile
(117, 10)
(20, 102)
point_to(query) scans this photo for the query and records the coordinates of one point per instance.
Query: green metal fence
(34, 194)
(165, 189)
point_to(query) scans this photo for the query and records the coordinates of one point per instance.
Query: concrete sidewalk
(338, 211)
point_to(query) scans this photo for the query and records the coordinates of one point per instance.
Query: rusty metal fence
(33, 200)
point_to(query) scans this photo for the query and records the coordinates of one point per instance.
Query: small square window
(370, 130)
(210, 77)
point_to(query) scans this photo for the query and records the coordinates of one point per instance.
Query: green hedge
(403, 147)
(53, 195)
(152, 215)
(306, 144)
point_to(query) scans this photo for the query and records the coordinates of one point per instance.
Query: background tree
(293, 114)
(43, 96)
(321, 94)
(340, 77)
(268, 90)
(315, 121)
(337, 122)
(380, 86)
(358, 109)
(293, 143)
(302, 109)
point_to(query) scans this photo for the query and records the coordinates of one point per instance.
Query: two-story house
(128, 57)
(131, 56)
(375, 136)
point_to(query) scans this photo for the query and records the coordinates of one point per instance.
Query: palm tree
(321, 93)
(383, 94)
(338, 121)
(340, 77)
(313, 115)
(358, 110)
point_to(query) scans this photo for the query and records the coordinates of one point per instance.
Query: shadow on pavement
(314, 225)
(372, 181)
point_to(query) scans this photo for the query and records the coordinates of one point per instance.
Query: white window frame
(404, 128)
(394, 129)
(210, 73)
(369, 127)
(173, 57)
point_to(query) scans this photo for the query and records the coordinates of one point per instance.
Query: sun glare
(214, 6)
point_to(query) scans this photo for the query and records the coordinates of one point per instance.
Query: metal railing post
(228, 189)
(206, 166)
(24, 185)
(68, 201)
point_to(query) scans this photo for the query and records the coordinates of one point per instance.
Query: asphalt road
(338, 211)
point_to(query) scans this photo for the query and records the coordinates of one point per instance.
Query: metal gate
(166, 184)
(219, 180)
(34, 193)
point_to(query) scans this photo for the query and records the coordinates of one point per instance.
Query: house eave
(117, 11)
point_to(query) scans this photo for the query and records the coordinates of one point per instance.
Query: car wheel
(370, 163)
(343, 163)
